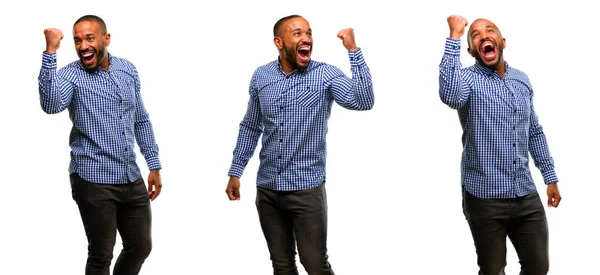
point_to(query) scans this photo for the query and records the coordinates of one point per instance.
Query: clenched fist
(347, 37)
(53, 38)
(457, 26)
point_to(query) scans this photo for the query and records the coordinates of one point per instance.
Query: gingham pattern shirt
(291, 113)
(500, 127)
(108, 116)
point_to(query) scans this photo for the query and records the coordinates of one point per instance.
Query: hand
(53, 38)
(154, 184)
(457, 26)
(347, 37)
(553, 195)
(233, 189)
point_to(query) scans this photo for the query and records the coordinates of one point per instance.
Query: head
(486, 44)
(91, 39)
(293, 38)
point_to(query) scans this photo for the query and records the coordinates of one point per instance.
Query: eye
(309, 34)
(90, 39)
(296, 34)
(475, 35)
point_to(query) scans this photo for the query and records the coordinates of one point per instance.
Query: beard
(99, 56)
(290, 55)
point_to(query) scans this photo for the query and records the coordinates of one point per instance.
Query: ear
(470, 52)
(503, 43)
(278, 43)
(107, 39)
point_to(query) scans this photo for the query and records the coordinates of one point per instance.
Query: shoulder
(121, 62)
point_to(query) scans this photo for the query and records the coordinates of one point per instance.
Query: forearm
(144, 135)
(55, 92)
(244, 150)
(453, 89)
(540, 152)
(355, 93)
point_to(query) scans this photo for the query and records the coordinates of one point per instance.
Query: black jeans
(522, 219)
(106, 208)
(288, 218)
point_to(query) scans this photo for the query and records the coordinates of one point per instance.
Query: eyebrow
(299, 29)
(487, 26)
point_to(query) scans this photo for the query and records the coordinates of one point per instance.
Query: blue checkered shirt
(500, 127)
(108, 116)
(291, 113)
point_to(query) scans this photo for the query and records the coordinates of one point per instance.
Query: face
(295, 44)
(486, 44)
(90, 44)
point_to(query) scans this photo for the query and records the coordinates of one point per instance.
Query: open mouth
(88, 57)
(304, 53)
(488, 50)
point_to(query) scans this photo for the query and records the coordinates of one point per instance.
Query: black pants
(106, 208)
(522, 219)
(288, 218)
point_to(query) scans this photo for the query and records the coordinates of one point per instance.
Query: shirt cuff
(452, 47)
(356, 58)
(236, 170)
(550, 176)
(49, 60)
(153, 163)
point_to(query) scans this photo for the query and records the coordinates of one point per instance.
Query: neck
(501, 68)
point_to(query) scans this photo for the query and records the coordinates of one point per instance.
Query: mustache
(90, 50)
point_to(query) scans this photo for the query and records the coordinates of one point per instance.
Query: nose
(84, 45)
(306, 38)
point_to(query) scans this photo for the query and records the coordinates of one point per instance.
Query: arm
(251, 128)
(538, 148)
(55, 92)
(454, 90)
(144, 136)
(355, 93)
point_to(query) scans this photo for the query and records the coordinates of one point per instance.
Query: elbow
(451, 102)
(50, 111)
(368, 106)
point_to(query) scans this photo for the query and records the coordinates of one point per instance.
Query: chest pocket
(520, 95)
(125, 88)
(309, 96)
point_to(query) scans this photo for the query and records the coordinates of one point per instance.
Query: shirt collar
(485, 70)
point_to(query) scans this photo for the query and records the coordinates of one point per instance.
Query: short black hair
(92, 18)
(280, 22)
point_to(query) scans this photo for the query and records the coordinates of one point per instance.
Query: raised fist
(53, 38)
(347, 37)
(457, 26)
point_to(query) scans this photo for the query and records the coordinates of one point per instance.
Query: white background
(393, 172)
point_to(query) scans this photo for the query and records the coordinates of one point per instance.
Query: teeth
(304, 48)
(87, 54)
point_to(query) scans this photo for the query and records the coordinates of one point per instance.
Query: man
(500, 129)
(290, 103)
(102, 94)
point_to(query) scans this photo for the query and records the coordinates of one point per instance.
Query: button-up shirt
(500, 127)
(291, 113)
(108, 116)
